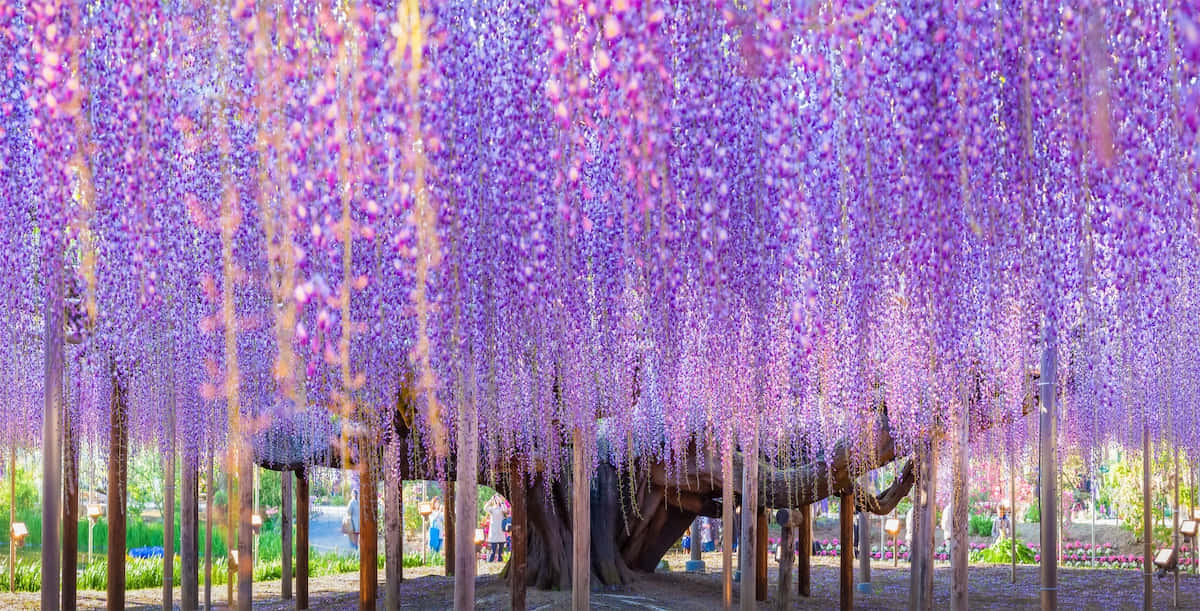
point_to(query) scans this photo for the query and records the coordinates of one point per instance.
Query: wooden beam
(518, 562)
(846, 539)
(285, 534)
(189, 561)
(301, 540)
(368, 540)
(581, 523)
(804, 564)
(70, 545)
(118, 456)
(786, 554)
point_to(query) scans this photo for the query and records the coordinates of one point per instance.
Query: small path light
(94, 513)
(892, 527)
(18, 532)
(1166, 560)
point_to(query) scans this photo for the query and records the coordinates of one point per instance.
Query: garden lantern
(93, 513)
(892, 527)
(1165, 560)
(256, 523)
(18, 532)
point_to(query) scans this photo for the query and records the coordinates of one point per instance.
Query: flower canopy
(670, 219)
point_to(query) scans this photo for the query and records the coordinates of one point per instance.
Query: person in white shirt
(352, 515)
(497, 511)
(947, 526)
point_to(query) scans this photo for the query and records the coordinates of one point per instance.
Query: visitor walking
(495, 536)
(435, 526)
(1003, 526)
(706, 536)
(350, 524)
(947, 526)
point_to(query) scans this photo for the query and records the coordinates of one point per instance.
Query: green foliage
(147, 573)
(1033, 515)
(979, 525)
(414, 560)
(29, 506)
(28, 576)
(1000, 552)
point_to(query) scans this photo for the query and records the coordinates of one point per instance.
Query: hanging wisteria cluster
(654, 222)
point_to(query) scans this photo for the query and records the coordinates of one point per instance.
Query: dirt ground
(989, 589)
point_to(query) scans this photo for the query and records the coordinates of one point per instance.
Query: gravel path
(989, 590)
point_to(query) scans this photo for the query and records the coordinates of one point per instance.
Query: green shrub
(979, 526)
(1000, 552)
(1033, 515)
(28, 576)
(414, 560)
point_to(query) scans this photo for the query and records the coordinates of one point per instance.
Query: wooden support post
(1192, 516)
(393, 524)
(804, 564)
(70, 545)
(368, 540)
(958, 504)
(52, 421)
(749, 523)
(448, 515)
(1175, 530)
(786, 554)
(727, 525)
(118, 457)
(864, 553)
(760, 552)
(581, 523)
(1048, 468)
(695, 562)
(1147, 527)
(210, 481)
(846, 539)
(519, 562)
(189, 548)
(1012, 514)
(168, 590)
(920, 549)
(301, 540)
(466, 505)
(12, 513)
(285, 534)
(245, 539)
